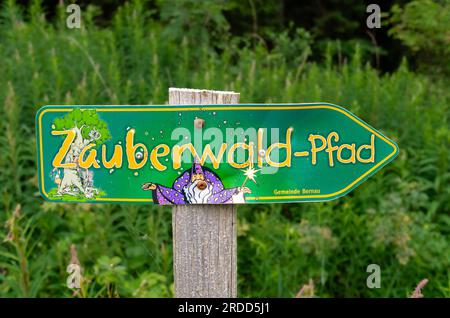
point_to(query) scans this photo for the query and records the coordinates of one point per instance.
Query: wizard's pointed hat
(196, 167)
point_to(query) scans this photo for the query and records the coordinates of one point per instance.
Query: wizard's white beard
(195, 195)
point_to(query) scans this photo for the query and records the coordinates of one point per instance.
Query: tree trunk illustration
(88, 128)
(73, 178)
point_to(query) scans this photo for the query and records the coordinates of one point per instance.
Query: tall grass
(398, 219)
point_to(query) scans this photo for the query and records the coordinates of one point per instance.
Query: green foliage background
(398, 219)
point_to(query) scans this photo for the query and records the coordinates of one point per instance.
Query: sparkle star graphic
(249, 173)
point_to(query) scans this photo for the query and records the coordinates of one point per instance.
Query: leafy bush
(423, 26)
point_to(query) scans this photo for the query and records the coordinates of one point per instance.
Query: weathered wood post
(204, 236)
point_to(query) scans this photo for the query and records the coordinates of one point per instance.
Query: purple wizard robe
(175, 194)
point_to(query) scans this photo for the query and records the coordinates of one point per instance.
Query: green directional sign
(214, 154)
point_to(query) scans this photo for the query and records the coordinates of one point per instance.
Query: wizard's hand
(245, 190)
(148, 186)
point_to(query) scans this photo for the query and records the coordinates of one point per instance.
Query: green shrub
(423, 26)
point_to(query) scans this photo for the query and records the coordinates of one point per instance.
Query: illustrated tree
(89, 129)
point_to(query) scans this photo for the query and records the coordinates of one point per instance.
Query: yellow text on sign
(345, 153)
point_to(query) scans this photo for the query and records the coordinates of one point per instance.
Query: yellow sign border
(226, 107)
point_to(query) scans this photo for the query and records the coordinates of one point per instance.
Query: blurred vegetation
(424, 27)
(398, 219)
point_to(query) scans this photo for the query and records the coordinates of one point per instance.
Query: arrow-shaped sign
(215, 154)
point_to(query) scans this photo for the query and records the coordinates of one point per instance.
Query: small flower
(10, 224)
(417, 293)
(307, 290)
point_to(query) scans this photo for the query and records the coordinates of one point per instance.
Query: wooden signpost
(203, 154)
(204, 236)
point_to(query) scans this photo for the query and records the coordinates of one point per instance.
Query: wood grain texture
(204, 236)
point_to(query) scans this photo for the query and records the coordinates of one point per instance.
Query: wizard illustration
(196, 185)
